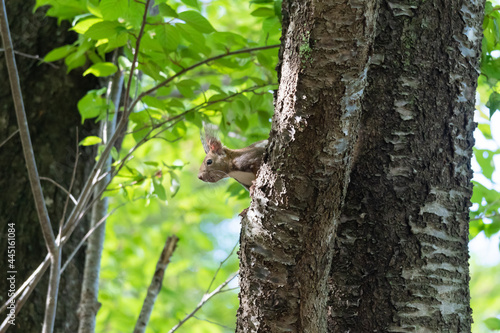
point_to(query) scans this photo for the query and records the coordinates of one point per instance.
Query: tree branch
(136, 55)
(183, 71)
(22, 122)
(206, 297)
(60, 187)
(36, 188)
(36, 57)
(90, 286)
(9, 137)
(156, 283)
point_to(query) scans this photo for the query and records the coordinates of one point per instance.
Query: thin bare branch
(134, 62)
(23, 292)
(60, 187)
(213, 322)
(73, 176)
(22, 122)
(89, 233)
(220, 266)
(205, 298)
(156, 283)
(9, 137)
(36, 57)
(36, 188)
(201, 63)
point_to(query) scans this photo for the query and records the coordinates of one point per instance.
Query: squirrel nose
(199, 176)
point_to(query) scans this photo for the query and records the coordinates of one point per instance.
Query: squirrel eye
(209, 162)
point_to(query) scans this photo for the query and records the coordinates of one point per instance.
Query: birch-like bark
(401, 260)
(89, 304)
(287, 234)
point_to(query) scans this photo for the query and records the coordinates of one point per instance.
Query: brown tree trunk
(50, 98)
(401, 260)
(286, 237)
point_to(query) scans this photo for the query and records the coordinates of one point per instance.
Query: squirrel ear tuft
(214, 145)
(209, 139)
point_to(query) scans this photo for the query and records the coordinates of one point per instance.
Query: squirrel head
(215, 166)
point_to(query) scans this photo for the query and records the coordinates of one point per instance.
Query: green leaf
(271, 24)
(75, 60)
(166, 10)
(493, 323)
(154, 102)
(104, 30)
(488, 8)
(159, 190)
(493, 103)
(263, 12)
(82, 26)
(101, 69)
(197, 21)
(485, 159)
(113, 9)
(187, 87)
(475, 226)
(168, 36)
(277, 8)
(492, 228)
(485, 130)
(59, 53)
(191, 3)
(91, 105)
(90, 140)
(174, 183)
(114, 154)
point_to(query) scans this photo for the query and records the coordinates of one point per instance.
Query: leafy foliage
(486, 200)
(485, 211)
(191, 67)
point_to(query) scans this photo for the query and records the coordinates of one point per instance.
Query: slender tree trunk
(286, 237)
(50, 100)
(400, 261)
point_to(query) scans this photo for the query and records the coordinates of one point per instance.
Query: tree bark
(50, 99)
(286, 237)
(401, 259)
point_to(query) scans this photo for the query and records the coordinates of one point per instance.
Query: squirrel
(239, 164)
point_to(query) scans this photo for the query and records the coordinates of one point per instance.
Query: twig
(9, 137)
(73, 176)
(156, 283)
(60, 187)
(136, 55)
(220, 266)
(89, 233)
(25, 290)
(158, 86)
(205, 298)
(36, 57)
(36, 188)
(213, 322)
